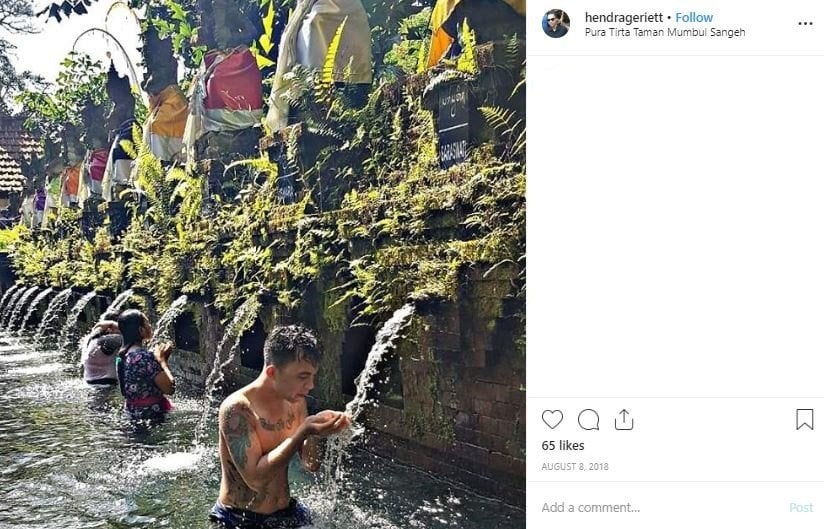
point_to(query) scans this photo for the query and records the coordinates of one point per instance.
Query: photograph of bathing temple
(262, 264)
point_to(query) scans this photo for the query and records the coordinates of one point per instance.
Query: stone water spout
(27, 294)
(164, 324)
(32, 307)
(331, 468)
(7, 295)
(58, 304)
(71, 320)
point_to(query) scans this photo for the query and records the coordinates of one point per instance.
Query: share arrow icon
(625, 422)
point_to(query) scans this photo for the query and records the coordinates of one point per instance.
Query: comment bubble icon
(588, 419)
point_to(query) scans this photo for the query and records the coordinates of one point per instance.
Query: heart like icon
(552, 418)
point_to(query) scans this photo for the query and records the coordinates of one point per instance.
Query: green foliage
(178, 21)
(378, 219)
(9, 236)
(406, 53)
(79, 80)
(509, 127)
(61, 257)
(466, 60)
(327, 75)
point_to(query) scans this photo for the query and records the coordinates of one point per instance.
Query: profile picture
(556, 23)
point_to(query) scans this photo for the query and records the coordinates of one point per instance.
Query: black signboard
(453, 123)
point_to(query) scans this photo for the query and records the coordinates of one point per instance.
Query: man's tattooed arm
(244, 450)
(236, 432)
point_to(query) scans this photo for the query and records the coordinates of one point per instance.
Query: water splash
(332, 468)
(58, 303)
(384, 341)
(244, 318)
(37, 370)
(325, 515)
(162, 330)
(19, 306)
(71, 320)
(32, 307)
(9, 309)
(175, 462)
(121, 298)
(7, 296)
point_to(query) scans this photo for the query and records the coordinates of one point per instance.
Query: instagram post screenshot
(674, 351)
(263, 262)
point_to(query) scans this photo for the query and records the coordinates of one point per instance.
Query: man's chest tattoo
(278, 425)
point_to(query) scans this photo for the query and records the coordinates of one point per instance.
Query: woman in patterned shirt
(145, 378)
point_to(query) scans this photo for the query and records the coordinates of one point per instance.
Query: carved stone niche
(228, 24)
(217, 150)
(95, 135)
(73, 149)
(159, 61)
(120, 93)
(52, 162)
(489, 19)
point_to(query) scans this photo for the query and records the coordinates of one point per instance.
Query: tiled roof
(17, 141)
(11, 178)
(16, 144)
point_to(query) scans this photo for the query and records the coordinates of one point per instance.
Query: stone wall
(463, 376)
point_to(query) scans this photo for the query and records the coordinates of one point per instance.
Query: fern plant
(466, 60)
(508, 127)
(323, 88)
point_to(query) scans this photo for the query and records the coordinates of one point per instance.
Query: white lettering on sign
(453, 151)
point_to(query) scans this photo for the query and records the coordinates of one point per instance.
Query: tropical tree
(80, 81)
(15, 17)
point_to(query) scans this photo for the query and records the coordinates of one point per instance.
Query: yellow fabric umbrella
(166, 123)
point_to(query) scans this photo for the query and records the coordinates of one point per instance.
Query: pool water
(70, 459)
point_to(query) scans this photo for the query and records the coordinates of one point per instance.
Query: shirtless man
(262, 425)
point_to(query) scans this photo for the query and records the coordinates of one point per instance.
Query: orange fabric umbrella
(441, 41)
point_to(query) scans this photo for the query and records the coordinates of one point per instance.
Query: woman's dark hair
(110, 315)
(130, 323)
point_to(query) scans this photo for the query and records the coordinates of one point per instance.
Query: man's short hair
(291, 343)
(557, 13)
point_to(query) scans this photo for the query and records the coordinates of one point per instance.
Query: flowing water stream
(243, 319)
(163, 327)
(57, 304)
(120, 300)
(69, 328)
(70, 459)
(8, 310)
(32, 307)
(27, 294)
(332, 468)
(7, 296)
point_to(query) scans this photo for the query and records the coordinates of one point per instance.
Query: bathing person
(265, 423)
(98, 355)
(145, 379)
